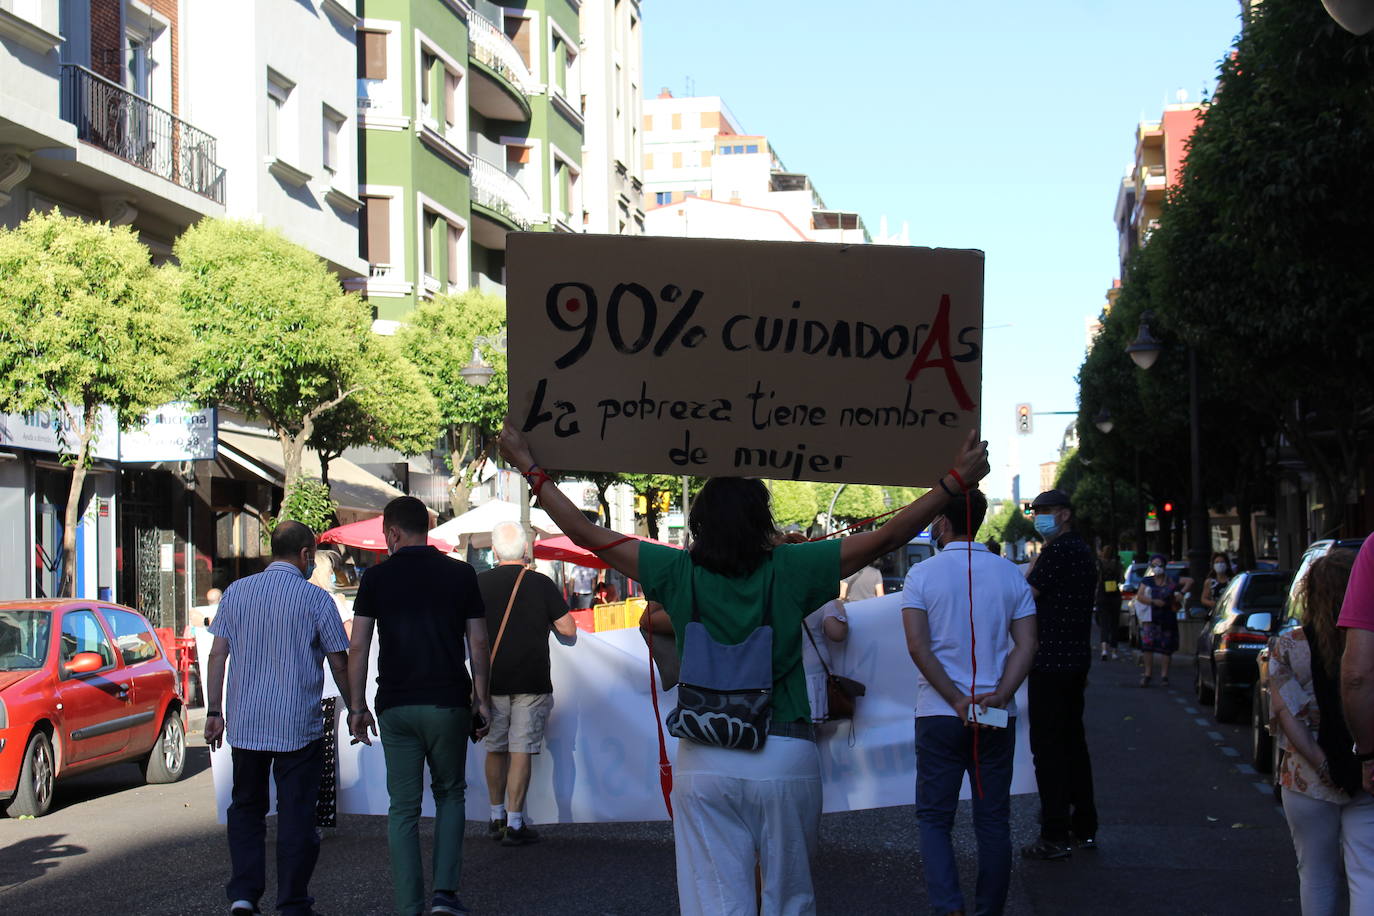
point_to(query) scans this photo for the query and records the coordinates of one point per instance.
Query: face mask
(1046, 525)
(310, 569)
(1155, 571)
(1219, 567)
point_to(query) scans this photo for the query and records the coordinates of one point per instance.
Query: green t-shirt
(805, 576)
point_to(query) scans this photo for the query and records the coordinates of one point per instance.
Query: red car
(83, 684)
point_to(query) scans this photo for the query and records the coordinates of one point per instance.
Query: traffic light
(1168, 507)
(664, 503)
(1023, 419)
(1026, 509)
(641, 504)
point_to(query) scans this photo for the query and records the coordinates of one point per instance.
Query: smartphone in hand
(992, 717)
(479, 722)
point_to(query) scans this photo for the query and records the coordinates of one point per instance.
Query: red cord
(665, 767)
(973, 639)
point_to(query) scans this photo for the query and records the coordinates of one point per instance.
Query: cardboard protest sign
(801, 361)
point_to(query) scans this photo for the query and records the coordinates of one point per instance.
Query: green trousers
(411, 737)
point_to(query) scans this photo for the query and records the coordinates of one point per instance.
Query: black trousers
(1063, 771)
(297, 775)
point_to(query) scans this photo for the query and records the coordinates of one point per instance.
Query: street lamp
(1144, 350)
(1103, 421)
(478, 372)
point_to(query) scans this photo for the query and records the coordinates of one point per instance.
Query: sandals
(1144, 680)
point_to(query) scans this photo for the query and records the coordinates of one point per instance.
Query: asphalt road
(1186, 828)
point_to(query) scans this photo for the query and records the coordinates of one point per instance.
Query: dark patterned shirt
(1066, 578)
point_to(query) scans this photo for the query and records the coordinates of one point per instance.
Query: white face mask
(1155, 571)
(1219, 567)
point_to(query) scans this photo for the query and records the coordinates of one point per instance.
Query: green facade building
(471, 126)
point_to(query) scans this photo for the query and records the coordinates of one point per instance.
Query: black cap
(1051, 499)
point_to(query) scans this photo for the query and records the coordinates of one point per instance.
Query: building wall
(612, 149)
(309, 50)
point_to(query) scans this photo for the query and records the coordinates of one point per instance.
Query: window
(132, 636)
(677, 160)
(752, 148)
(452, 101)
(456, 280)
(430, 224)
(737, 149)
(376, 229)
(663, 197)
(723, 151)
(81, 633)
(372, 55)
(705, 157)
(648, 161)
(280, 132)
(677, 122)
(426, 83)
(332, 124)
(138, 67)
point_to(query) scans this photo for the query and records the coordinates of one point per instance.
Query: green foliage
(650, 486)
(438, 337)
(794, 502)
(391, 408)
(1007, 524)
(310, 504)
(279, 337)
(86, 320)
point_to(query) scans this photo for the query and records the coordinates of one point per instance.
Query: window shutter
(377, 215)
(373, 51)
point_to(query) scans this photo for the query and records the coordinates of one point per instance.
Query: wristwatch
(214, 714)
(1362, 758)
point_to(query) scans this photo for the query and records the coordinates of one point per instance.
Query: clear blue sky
(999, 125)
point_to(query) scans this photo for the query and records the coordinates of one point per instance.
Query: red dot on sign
(574, 304)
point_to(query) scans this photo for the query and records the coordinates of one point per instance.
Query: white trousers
(733, 808)
(1335, 847)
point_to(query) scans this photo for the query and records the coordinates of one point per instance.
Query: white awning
(358, 493)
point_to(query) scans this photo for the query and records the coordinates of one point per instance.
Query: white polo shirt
(940, 587)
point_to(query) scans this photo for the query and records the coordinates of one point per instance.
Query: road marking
(1190, 710)
(1230, 751)
(1246, 769)
(1203, 722)
(1178, 699)
(1215, 736)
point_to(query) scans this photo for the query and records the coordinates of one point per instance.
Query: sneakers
(496, 828)
(243, 908)
(521, 837)
(1088, 843)
(447, 904)
(1045, 849)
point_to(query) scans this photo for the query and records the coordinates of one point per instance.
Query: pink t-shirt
(1358, 609)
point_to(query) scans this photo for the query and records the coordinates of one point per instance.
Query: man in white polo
(943, 630)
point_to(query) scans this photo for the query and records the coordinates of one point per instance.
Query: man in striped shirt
(279, 629)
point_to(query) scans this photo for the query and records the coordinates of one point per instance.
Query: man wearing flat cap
(1064, 582)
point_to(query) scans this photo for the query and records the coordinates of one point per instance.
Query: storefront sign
(173, 432)
(802, 361)
(58, 431)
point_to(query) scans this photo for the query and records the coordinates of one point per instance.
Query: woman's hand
(971, 461)
(513, 447)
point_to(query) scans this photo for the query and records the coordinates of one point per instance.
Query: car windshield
(1264, 592)
(24, 639)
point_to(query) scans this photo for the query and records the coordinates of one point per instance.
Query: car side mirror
(1261, 621)
(84, 663)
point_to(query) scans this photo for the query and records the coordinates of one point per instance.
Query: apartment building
(612, 103)
(707, 177)
(275, 81)
(472, 127)
(1160, 147)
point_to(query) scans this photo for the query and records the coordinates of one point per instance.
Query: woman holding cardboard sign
(748, 783)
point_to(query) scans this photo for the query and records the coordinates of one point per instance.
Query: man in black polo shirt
(1064, 582)
(422, 604)
(521, 688)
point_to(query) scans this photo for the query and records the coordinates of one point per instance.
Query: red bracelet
(536, 480)
(959, 480)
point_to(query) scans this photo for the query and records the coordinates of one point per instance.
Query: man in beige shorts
(522, 606)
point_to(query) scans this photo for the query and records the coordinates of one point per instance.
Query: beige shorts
(518, 721)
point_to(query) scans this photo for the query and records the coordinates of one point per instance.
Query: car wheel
(1204, 695)
(1224, 705)
(37, 773)
(167, 760)
(1261, 751)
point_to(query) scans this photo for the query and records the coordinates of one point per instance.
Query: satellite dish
(1355, 16)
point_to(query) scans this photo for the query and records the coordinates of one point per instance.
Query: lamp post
(1103, 422)
(478, 373)
(1144, 350)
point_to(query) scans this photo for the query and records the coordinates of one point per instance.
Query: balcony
(500, 203)
(125, 125)
(500, 79)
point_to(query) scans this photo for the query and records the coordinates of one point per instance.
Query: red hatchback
(83, 684)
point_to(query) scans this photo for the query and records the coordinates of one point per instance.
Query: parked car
(83, 684)
(1224, 662)
(1264, 752)
(898, 563)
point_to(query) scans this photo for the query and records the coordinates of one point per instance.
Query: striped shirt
(279, 628)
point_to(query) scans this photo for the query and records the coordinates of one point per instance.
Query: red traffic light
(1168, 507)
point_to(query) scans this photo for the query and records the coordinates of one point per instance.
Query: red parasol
(563, 548)
(367, 535)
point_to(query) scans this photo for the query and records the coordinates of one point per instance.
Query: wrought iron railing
(111, 117)
(489, 45)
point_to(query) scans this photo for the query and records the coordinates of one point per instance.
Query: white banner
(58, 431)
(173, 432)
(600, 761)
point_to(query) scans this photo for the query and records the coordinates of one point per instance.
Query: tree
(655, 488)
(85, 321)
(392, 408)
(794, 502)
(439, 338)
(279, 339)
